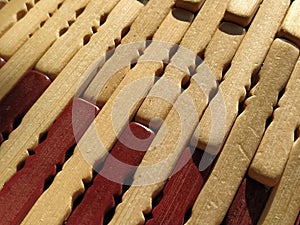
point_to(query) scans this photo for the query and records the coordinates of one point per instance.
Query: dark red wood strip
(248, 203)
(180, 192)
(23, 189)
(99, 198)
(19, 100)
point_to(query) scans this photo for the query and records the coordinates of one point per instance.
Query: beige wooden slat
(247, 61)
(191, 5)
(42, 114)
(272, 154)
(283, 205)
(91, 147)
(218, 55)
(27, 56)
(290, 27)
(12, 12)
(205, 24)
(10, 42)
(144, 26)
(62, 51)
(241, 11)
(220, 188)
(165, 150)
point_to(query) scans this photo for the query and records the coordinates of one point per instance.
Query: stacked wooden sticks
(226, 144)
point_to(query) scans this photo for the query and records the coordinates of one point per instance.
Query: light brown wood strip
(247, 61)
(290, 27)
(283, 205)
(164, 151)
(103, 85)
(62, 51)
(42, 114)
(242, 12)
(191, 5)
(90, 148)
(26, 57)
(218, 192)
(12, 12)
(273, 152)
(165, 91)
(10, 42)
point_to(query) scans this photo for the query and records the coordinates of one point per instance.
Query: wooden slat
(68, 183)
(26, 57)
(242, 12)
(247, 61)
(290, 27)
(219, 190)
(218, 55)
(273, 152)
(62, 51)
(12, 12)
(118, 166)
(191, 5)
(164, 151)
(20, 193)
(42, 114)
(284, 203)
(10, 42)
(145, 25)
(19, 100)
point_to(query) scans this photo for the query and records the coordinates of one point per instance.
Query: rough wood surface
(247, 60)
(273, 152)
(219, 190)
(10, 42)
(26, 57)
(19, 100)
(165, 91)
(12, 12)
(191, 5)
(290, 27)
(42, 114)
(284, 203)
(21, 192)
(62, 51)
(242, 12)
(118, 166)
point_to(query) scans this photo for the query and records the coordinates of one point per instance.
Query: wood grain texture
(12, 12)
(109, 77)
(284, 203)
(219, 190)
(180, 191)
(248, 203)
(26, 57)
(19, 100)
(164, 151)
(166, 90)
(24, 188)
(242, 12)
(273, 152)
(191, 5)
(99, 198)
(67, 45)
(42, 114)
(237, 81)
(10, 42)
(290, 27)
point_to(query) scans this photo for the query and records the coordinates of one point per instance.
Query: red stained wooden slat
(180, 192)
(248, 203)
(99, 198)
(18, 101)
(23, 189)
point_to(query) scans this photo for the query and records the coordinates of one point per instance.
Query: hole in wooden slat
(21, 14)
(103, 19)
(79, 11)
(63, 30)
(86, 39)
(296, 133)
(59, 5)
(42, 23)
(94, 29)
(70, 22)
(28, 6)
